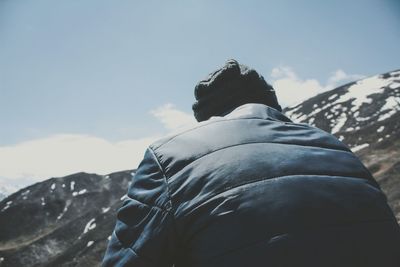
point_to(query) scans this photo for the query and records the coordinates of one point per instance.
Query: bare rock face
(66, 221)
(365, 115)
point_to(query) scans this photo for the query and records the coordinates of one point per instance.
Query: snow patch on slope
(355, 95)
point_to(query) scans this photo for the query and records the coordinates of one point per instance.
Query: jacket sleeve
(144, 231)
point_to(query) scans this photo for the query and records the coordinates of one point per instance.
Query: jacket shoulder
(179, 133)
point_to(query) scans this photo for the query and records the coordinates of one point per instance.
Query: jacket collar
(253, 110)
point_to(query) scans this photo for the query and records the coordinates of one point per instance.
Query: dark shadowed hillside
(62, 221)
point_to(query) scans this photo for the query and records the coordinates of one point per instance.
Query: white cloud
(63, 154)
(283, 72)
(172, 118)
(340, 76)
(291, 89)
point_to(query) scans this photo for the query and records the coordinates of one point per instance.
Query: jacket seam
(147, 204)
(217, 121)
(249, 143)
(133, 251)
(169, 207)
(262, 179)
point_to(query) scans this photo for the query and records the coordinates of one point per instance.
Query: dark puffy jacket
(253, 188)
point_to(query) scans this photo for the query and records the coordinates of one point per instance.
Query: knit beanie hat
(229, 87)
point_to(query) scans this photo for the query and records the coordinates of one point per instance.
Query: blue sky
(125, 70)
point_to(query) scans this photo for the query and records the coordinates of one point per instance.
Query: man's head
(229, 87)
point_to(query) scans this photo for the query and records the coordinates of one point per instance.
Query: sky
(88, 85)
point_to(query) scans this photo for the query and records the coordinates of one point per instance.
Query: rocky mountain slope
(365, 115)
(62, 221)
(66, 221)
(6, 190)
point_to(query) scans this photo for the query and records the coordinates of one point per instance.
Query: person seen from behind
(247, 186)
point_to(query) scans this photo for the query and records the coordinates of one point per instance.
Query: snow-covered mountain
(358, 113)
(365, 115)
(66, 221)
